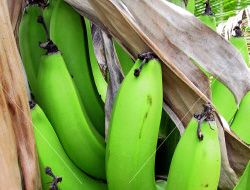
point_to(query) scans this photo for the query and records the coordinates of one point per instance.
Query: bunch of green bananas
(66, 82)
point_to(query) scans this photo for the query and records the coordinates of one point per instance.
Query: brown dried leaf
(106, 57)
(10, 174)
(168, 27)
(12, 80)
(238, 152)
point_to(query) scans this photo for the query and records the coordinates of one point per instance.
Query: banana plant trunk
(18, 160)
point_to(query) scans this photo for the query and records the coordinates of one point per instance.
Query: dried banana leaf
(16, 102)
(106, 56)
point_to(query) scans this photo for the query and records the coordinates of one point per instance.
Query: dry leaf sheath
(15, 102)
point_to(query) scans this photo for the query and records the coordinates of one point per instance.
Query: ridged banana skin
(244, 182)
(131, 145)
(66, 30)
(196, 164)
(100, 82)
(30, 34)
(241, 122)
(51, 153)
(59, 99)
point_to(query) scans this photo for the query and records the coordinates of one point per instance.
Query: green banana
(47, 12)
(30, 34)
(223, 100)
(196, 164)
(244, 182)
(66, 30)
(60, 101)
(240, 125)
(134, 128)
(100, 82)
(240, 44)
(124, 58)
(51, 153)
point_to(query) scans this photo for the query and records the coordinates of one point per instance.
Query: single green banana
(30, 34)
(124, 58)
(244, 182)
(196, 164)
(59, 99)
(240, 43)
(240, 125)
(223, 100)
(66, 30)
(134, 130)
(47, 12)
(51, 154)
(100, 82)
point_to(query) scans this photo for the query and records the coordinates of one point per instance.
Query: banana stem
(56, 179)
(206, 115)
(138, 70)
(41, 3)
(145, 57)
(208, 9)
(32, 104)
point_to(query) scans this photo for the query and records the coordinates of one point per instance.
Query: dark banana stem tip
(144, 57)
(32, 104)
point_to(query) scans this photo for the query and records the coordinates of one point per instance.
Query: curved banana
(100, 82)
(124, 58)
(244, 182)
(240, 44)
(66, 30)
(30, 34)
(240, 125)
(60, 101)
(134, 130)
(51, 153)
(223, 100)
(196, 164)
(47, 12)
